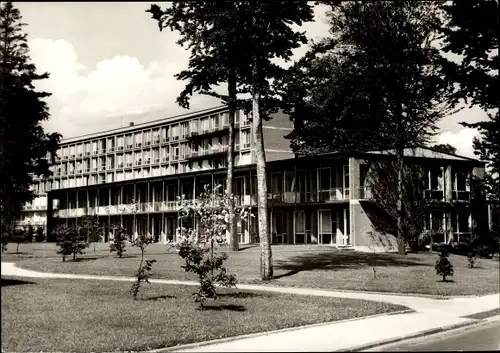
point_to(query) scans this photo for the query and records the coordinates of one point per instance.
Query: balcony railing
(436, 195)
(330, 195)
(120, 148)
(461, 195)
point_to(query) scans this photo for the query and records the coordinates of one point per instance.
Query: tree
(263, 32)
(143, 272)
(443, 265)
(212, 37)
(18, 236)
(118, 243)
(30, 233)
(383, 185)
(40, 235)
(197, 246)
(470, 32)
(24, 145)
(70, 241)
(386, 79)
(445, 148)
(90, 228)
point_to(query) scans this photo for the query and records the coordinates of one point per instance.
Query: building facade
(132, 177)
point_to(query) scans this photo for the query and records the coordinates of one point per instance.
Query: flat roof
(139, 126)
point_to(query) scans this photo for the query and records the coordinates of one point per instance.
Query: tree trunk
(399, 200)
(233, 234)
(17, 250)
(266, 265)
(444, 278)
(74, 256)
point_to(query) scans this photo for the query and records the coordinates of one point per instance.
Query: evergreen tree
(24, 146)
(471, 33)
(443, 265)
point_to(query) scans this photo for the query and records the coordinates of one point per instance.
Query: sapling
(197, 247)
(443, 266)
(143, 273)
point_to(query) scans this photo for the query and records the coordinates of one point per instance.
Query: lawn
(83, 316)
(312, 266)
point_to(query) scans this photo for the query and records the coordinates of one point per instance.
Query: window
(185, 130)
(194, 125)
(165, 134)
(138, 139)
(175, 132)
(147, 137)
(87, 149)
(156, 136)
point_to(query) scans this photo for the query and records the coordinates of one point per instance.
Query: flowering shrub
(197, 246)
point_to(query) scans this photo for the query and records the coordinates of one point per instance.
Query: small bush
(443, 266)
(70, 241)
(39, 235)
(18, 236)
(118, 244)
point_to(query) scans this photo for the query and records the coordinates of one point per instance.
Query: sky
(109, 65)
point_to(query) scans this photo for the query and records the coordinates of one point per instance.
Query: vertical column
(96, 204)
(148, 215)
(162, 205)
(122, 206)
(448, 186)
(88, 201)
(49, 214)
(109, 206)
(354, 182)
(135, 204)
(76, 212)
(68, 207)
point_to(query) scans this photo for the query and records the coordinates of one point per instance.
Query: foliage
(4, 239)
(443, 266)
(239, 40)
(70, 241)
(89, 227)
(382, 181)
(24, 145)
(196, 247)
(30, 233)
(39, 235)
(212, 38)
(118, 244)
(143, 273)
(375, 83)
(470, 34)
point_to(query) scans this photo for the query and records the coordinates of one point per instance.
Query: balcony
(96, 152)
(103, 167)
(214, 151)
(80, 155)
(129, 164)
(120, 148)
(166, 139)
(120, 165)
(111, 149)
(147, 143)
(169, 206)
(246, 145)
(208, 133)
(331, 195)
(94, 169)
(87, 170)
(65, 157)
(79, 171)
(138, 145)
(156, 141)
(165, 159)
(434, 195)
(87, 153)
(138, 163)
(157, 160)
(461, 195)
(246, 124)
(129, 147)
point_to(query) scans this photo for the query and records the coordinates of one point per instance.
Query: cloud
(461, 140)
(91, 99)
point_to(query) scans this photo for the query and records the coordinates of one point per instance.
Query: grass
(312, 266)
(84, 315)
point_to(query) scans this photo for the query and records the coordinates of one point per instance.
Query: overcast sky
(109, 65)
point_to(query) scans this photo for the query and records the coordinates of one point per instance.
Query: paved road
(485, 337)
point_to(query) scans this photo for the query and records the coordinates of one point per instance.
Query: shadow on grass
(446, 281)
(14, 282)
(246, 247)
(240, 295)
(82, 259)
(340, 260)
(229, 307)
(159, 297)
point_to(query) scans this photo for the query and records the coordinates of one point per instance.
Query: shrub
(144, 271)
(443, 266)
(39, 235)
(91, 229)
(196, 247)
(118, 244)
(5, 240)
(70, 241)
(30, 234)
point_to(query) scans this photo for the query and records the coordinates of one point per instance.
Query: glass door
(299, 227)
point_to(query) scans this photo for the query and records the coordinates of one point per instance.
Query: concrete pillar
(354, 182)
(448, 185)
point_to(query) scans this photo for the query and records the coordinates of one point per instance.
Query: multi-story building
(132, 176)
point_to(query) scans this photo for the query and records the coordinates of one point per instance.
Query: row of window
(155, 136)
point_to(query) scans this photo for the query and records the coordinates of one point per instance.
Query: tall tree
(24, 145)
(384, 53)
(471, 33)
(243, 36)
(212, 38)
